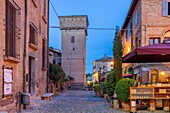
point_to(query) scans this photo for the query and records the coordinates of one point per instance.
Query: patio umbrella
(149, 54)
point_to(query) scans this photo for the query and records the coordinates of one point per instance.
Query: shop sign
(145, 69)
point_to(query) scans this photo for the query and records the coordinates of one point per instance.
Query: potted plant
(103, 87)
(110, 86)
(56, 74)
(97, 89)
(122, 92)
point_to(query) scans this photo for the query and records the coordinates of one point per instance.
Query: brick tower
(74, 32)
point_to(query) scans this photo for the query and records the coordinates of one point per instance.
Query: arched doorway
(167, 36)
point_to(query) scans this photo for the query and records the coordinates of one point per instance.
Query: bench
(47, 96)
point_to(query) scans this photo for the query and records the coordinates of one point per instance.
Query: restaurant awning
(127, 75)
(102, 79)
(149, 54)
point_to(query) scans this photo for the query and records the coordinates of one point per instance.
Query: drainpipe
(24, 55)
(48, 45)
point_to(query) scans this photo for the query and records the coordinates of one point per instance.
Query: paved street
(77, 102)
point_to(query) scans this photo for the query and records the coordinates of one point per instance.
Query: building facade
(102, 67)
(74, 32)
(147, 23)
(23, 46)
(54, 56)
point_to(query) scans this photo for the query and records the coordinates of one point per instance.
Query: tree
(110, 83)
(88, 75)
(117, 52)
(56, 73)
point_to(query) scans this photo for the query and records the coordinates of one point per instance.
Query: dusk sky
(101, 14)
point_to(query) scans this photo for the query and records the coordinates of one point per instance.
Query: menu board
(7, 75)
(7, 83)
(7, 89)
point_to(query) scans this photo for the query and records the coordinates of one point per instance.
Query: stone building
(74, 32)
(102, 67)
(147, 23)
(54, 56)
(23, 46)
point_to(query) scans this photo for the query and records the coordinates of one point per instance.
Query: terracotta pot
(98, 93)
(125, 106)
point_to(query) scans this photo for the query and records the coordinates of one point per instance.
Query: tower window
(73, 49)
(72, 39)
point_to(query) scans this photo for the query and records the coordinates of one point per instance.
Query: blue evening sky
(101, 14)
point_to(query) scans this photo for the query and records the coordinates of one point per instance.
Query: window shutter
(164, 8)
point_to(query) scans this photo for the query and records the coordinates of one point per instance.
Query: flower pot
(98, 93)
(125, 106)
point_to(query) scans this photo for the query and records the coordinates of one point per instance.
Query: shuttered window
(10, 30)
(33, 35)
(165, 8)
(44, 8)
(44, 54)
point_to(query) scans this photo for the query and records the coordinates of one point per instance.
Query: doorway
(32, 75)
(154, 76)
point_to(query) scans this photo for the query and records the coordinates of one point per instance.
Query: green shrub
(123, 88)
(110, 83)
(103, 87)
(97, 87)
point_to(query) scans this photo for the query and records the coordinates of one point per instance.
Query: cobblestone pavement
(77, 102)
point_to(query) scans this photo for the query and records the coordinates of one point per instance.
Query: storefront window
(154, 76)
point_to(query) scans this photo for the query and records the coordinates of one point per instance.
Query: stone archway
(166, 36)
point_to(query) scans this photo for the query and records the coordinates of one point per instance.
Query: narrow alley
(75, 102)
(78, 102)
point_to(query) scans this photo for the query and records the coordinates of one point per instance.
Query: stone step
(37, 105)
(34, 101)
(3, 112)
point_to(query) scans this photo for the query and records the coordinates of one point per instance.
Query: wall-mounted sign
(7, 75)
(7, 89)
(7, 81)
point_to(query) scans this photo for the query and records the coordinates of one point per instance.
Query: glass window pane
(168, 8)
(157, 41)
(151, 42)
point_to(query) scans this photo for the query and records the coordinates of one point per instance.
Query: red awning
(102, 79)
(127, 75)
(152, 53)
